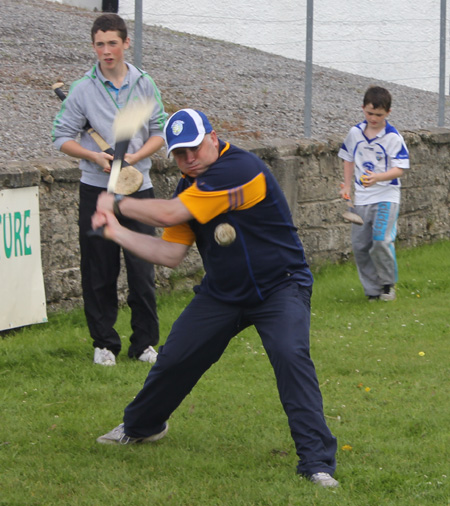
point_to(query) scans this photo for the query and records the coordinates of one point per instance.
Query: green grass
(229, 443)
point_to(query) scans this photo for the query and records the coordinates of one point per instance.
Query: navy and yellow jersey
(240, 190)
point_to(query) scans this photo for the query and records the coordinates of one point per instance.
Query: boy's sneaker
(388, 293)
(324, 480)
(117, 436)
(148, 355)
(104, 357)
(373, 298)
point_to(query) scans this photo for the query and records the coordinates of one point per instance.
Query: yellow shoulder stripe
(206, 205)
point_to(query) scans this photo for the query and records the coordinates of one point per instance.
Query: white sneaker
(324, 480)
(104, 357)
(148, 355)
(117, 436)
(389, 293)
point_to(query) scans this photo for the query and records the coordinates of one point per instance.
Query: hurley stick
(351, 215)
(127, 122)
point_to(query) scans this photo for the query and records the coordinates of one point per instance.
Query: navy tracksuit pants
(197, 340)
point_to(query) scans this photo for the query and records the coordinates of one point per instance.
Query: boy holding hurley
(375, 157)
(107, 87)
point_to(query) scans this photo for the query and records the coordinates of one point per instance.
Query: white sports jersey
(386, 150)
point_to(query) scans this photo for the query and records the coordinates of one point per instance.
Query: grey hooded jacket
(89, 99)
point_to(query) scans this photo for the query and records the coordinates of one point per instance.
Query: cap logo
(177, 127)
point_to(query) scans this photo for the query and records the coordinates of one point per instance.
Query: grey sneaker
(389, 293)
(148, 355)
(118, 437)
(104, 357)
(324, 480)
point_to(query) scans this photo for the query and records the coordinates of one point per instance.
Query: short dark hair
(379, 97)
(109, 22)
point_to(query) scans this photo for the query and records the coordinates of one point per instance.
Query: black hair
(379, 97)
(110, 22)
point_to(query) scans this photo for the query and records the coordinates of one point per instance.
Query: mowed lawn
(384, 374)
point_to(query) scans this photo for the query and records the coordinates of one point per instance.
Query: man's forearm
(154, 212)
(151, 249)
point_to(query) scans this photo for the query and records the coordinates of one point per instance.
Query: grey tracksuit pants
(373, 246)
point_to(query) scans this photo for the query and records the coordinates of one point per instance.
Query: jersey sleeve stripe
(206, 205)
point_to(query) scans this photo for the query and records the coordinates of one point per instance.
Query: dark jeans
(100, 268)
(197, 340)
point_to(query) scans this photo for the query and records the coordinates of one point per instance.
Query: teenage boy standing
(105, 88)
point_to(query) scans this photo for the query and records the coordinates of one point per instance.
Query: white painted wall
(92, 5)
(392, 40)
(396, 41)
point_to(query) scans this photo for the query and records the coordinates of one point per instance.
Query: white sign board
(22, 294)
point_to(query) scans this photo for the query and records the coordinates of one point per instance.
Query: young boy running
(375, 157)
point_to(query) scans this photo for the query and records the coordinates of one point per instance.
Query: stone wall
(309, 173)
